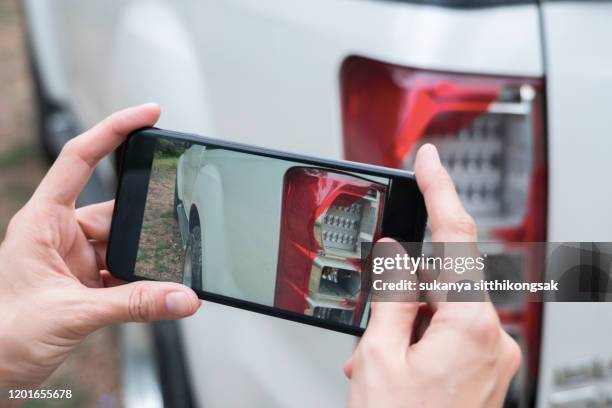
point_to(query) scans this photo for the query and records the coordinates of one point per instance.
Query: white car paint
(266, 73)
(240, 248)
(579, 81)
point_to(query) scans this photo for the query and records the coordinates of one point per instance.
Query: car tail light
(489, 133)
(325, 217)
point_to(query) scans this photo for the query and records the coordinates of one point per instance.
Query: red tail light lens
(489, 133)
(325, 218)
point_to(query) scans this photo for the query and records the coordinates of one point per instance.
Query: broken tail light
(490, 135)
(325, 217)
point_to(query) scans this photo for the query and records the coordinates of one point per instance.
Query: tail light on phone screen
(490, 135)
(325, 217)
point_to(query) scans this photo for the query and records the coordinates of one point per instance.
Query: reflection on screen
(265, 230)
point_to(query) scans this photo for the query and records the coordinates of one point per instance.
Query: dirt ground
(21, 164)
(160, 251)
(92, 372)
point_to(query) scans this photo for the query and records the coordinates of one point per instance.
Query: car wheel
(192, 271)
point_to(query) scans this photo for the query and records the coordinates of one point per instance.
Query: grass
(164, 163)
(163, 245)
(18, 192)
(18, 155)
(141, 255)
(161, 268)
(8, 12)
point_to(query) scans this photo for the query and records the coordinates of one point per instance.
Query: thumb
(392, 315)
(143, 301)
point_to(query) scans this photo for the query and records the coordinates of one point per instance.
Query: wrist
(15, 352)
(16, 373)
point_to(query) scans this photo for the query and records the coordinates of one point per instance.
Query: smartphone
(272, 232)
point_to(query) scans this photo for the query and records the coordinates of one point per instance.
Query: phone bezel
(132, 192)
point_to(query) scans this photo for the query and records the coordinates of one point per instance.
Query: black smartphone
(271, 232)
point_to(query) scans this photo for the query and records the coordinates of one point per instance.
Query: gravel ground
(160, 251)
(92, 372)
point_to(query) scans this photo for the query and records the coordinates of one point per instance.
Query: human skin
(55, 290)
(54, 286)
(463, 357)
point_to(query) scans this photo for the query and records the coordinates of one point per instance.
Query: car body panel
(266, 73)
(235, 241)
(227, 54)
(579, 86)
(240, 248)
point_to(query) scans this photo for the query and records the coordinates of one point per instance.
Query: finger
(348, 368)
(467, 323)
(450, 223)
(451, 281)
(100, 250)
(449, 220)
(87, 261)
(79, 157)
(95, 220)
(109, 281)
(392, 314)
(392, 322)
(143, 301)
(422, 322)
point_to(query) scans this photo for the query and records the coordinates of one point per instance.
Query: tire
(192, 272)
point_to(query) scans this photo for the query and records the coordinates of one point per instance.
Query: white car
(264, 230)
(515, 93)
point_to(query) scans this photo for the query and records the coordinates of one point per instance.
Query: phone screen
(271, 232)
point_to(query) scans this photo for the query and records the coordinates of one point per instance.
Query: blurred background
(21, 159)
(92, 372)
(516, 95)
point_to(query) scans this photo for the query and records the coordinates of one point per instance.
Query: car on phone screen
(275, 232)
(514, 93)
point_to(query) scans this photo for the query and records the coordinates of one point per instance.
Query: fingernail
(432, 151)
(178, 303)
(150, 105)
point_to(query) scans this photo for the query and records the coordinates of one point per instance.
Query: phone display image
(267, 231)
(326, 216)
(160, 253)
(260, 229)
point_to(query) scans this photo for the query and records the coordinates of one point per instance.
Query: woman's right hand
(464, 357)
